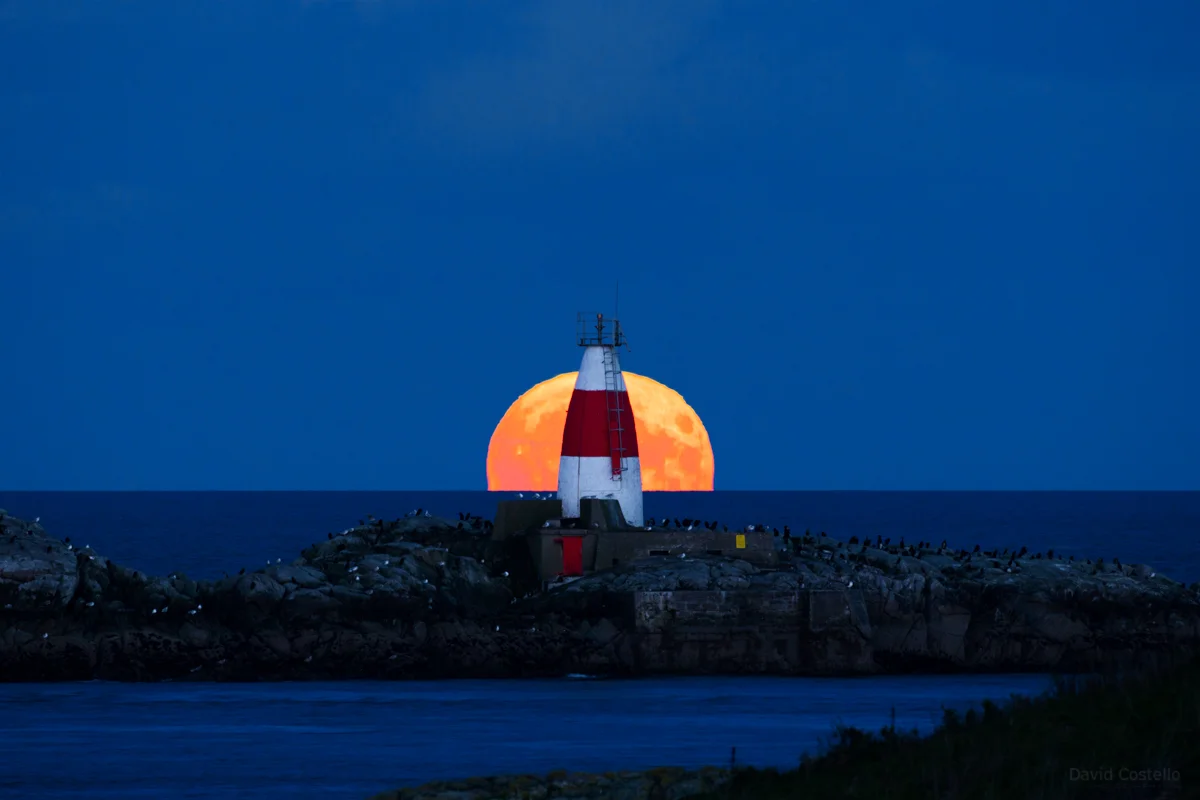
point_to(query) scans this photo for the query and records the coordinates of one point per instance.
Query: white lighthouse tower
(600, 449)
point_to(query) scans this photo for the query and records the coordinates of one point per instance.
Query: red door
(572, 555)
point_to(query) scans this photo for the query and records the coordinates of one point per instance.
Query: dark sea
(349, 740)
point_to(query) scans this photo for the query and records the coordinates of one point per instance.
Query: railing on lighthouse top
(597, 334)
(594, 330)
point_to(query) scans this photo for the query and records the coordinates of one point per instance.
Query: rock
(303, 576)
(414, 598)
(260, 590)
(309, 603)
(603, 632)
(35, 570)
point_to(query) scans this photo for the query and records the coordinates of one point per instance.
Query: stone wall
(657, 611)
(808, 610)
(751, 631)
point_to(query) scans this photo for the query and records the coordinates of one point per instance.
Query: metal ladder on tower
(616, 423)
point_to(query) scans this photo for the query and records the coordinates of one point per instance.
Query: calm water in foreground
(346, 741)
(349, 740)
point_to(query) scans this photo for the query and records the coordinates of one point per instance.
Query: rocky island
(425, 597)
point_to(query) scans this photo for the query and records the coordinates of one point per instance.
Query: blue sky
(294, 245)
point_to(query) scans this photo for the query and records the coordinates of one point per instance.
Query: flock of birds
(965, 558)
(829, 551)
(900, 549)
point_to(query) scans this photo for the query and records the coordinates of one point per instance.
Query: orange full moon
(673, 446)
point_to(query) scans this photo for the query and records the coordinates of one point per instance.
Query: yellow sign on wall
(741, 541)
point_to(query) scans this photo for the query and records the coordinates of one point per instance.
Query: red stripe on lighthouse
(589, 426)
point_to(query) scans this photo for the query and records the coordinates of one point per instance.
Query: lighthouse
(600, 448)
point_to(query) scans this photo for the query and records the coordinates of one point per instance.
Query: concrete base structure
(608, 549)
(601, 539)
(518, 516)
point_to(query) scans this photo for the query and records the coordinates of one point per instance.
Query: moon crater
(674, 448)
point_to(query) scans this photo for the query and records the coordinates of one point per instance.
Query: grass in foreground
(1072, 743)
